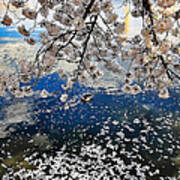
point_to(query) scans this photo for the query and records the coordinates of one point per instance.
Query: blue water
(11, 32)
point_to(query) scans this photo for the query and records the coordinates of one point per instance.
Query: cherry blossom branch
(88, 38)
(165, 67)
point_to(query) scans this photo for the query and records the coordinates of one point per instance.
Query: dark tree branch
(147, 7)
(88, 9)
(172, 72)
(87, 39)
(165, 67)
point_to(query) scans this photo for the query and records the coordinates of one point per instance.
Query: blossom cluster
(90, 35)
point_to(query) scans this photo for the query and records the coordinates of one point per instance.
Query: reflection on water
(110, 137)
(15, 113)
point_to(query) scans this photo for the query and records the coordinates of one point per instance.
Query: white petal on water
(63, 97)
(136, 121)
(120, 134)
(115, 122)
(44, 93)
(143, 139)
